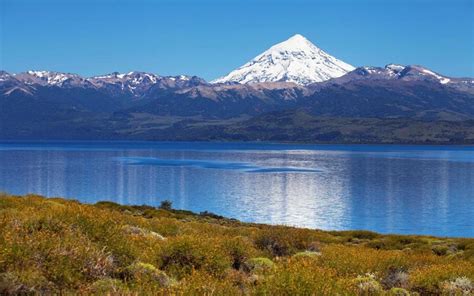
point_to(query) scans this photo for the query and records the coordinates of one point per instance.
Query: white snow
(395, 67)
(442, 79)
(51, 78)
(152, 78)
(294, 60)
(17, 88)
(136, 82)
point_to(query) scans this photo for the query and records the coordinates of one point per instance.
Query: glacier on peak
(294, 60)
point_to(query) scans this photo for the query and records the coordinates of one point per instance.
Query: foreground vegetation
(52, 246)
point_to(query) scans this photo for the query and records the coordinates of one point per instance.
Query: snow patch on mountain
(442, 79)
(295, 60)
(46, 77)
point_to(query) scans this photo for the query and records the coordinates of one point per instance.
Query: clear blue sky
(212, 37)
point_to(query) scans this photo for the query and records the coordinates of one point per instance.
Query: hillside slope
(57, 246)
(136, 105)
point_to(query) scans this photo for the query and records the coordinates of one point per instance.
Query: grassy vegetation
(52, 246)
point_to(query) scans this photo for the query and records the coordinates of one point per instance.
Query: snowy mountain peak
(295, 43)
(133, 77)
(395, 67)
(46, 77)
(293, 60)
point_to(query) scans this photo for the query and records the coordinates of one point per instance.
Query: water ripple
(208, 164)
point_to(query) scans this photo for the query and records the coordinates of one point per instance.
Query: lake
(388, 189)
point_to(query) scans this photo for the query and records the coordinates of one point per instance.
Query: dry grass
(52, 246)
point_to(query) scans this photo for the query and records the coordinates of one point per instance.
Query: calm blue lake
(388, 189)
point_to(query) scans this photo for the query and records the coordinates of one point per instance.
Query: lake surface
(388, 189)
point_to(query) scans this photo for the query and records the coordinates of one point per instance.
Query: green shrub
(308, 254)
(440, 250)
(182, 255)
(239, 249)
(258, 265)
(108, 286)
(147, 273)
(398, 292)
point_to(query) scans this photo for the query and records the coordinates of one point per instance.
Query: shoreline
(222, 141)
(304, 144)
(226, 218)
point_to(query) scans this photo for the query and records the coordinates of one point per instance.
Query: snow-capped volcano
(294, 60)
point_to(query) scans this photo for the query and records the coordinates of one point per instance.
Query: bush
(258, 265)
(314, 247)
(432, 279)
(147, 273)
(182, 255)
(202, 283)
(360, 234)
(133, 230)
(301, 277)
(279, 242)
(367, 285)
(398, 292)
(28, 281)
(458, 286)
(108, 286)
(166, 205)
(440, 250)
(353, 261)
(54, 246)
(239, 249)
(307, 254)
(395, 277)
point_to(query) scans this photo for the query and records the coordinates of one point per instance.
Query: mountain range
(294, 91)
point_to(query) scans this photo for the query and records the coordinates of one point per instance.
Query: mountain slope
(294, 60)
(137, 105)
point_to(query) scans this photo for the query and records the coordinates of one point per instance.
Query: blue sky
(210, 38)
